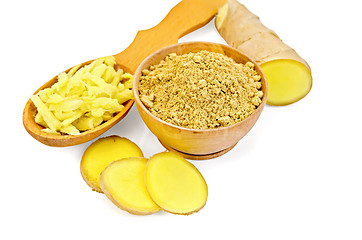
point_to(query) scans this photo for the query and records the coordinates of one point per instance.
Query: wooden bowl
(35, 130)
(195, 143)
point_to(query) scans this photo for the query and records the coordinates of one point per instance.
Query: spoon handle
(185, 17)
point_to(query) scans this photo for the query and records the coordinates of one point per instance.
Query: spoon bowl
(63, 140)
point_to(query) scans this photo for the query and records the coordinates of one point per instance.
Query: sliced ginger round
(288, 81)
(101, 153)
(123, 183)
(175, 184)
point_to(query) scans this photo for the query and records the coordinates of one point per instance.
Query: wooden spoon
(184, 18)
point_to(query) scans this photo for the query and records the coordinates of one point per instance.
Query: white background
(296, 175)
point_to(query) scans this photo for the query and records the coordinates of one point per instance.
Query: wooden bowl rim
(64, 140)
(168, 50)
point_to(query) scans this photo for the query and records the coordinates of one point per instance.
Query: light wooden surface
(184, 18)
(194, 143)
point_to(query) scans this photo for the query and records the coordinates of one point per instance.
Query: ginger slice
(123, 183)
(288, 81)
(101, 153)
(175, 184)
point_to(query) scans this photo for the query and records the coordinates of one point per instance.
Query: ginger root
(122, 181)
(288, 75)
(101, 153)
(175, 184)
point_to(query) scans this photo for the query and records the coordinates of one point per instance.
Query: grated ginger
(83, 98)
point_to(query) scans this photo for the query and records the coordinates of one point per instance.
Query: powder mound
(200, 90)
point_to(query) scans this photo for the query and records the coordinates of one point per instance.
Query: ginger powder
(201, 90)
